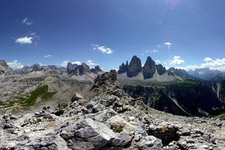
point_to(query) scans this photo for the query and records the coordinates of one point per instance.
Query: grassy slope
(30, 100)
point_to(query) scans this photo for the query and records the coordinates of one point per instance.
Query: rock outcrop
(134, 68)
(180, 73)
(4, 68)
(3, 64)
(36, 67)
(123, 68)
(79, 70)
(150, 71)
(149, 68)
(96, 70)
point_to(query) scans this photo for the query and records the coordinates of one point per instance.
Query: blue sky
(180, 33)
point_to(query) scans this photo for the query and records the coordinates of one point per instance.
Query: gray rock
(87, 133)
(123, 68)
(122, 140)
(149, 68)
(134, 67)
(150, 142)
(36, 67)
(45, 143)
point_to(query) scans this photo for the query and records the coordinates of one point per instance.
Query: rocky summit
(149, 68)
(108, 119)
(149, 72)
(134, 68)
(75, 69)
(4, 68)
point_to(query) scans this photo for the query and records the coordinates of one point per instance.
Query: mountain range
(138, 107)
(173, 90)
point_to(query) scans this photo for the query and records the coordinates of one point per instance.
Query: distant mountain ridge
(71, 69)
(205, 73)
(173, 90)
(150, 71)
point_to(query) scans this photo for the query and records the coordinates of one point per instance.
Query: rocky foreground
(110, 120)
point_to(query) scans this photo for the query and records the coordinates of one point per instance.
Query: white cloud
(177, 60)
(64, 63)
(15, 64)
(157, 61)
(208, 59)
(47, 56)
(91, 63)
(155, 51)
(168, 44)
(213, 64)
(24, 40)
(102, 49)
(27, 21)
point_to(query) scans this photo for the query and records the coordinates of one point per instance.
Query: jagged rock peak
(105, 82)
(81, 69)
(3, 64)
(76, 69)
(96, 70)
(36, 67)
(123, 68)
(134, 68)
(149, 68)
(106, 78)
(160, 69)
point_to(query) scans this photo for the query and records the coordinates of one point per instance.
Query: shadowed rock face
(104, 81)
(71, 68)
(83, 69)
(75, 69)
(149, 68)
(148, 71)
(123, 68)
(134, 67)
(96, 70)
(181, 99)
(161, 70)
(3, 64)
(218, 86)
(180, 73)
(4, 68)
(36, 67)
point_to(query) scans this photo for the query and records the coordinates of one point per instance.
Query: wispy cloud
(24, 40)
(64, 63)
(177, 60)
(15, 64)
(102, 49)
(27, 21)
(91, 63)
(47, 56)
(155, 51)
(168, 44)
(157, 61)
(213, 64)
(208, 59)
